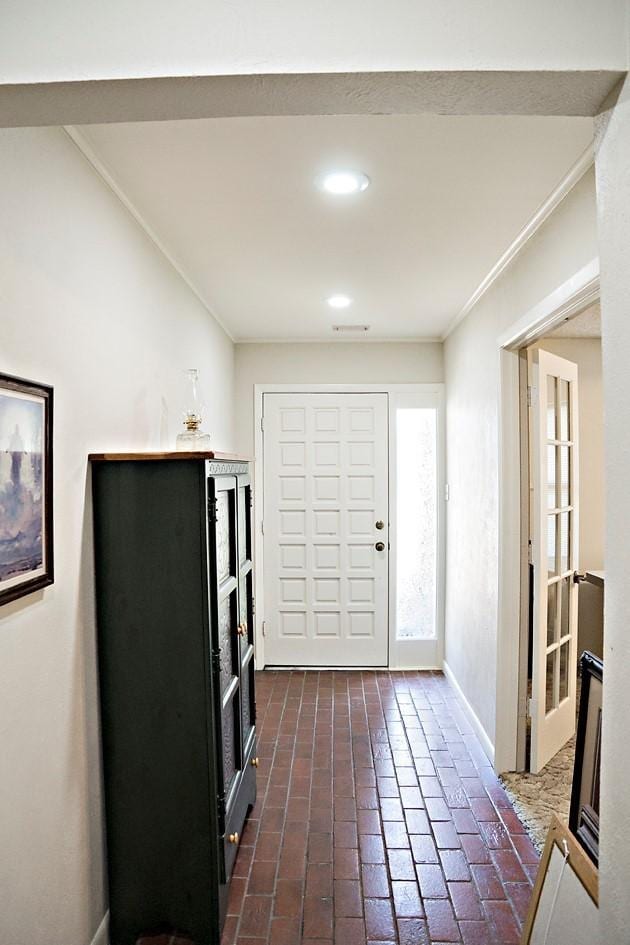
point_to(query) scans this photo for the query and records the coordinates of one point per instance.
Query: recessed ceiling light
(359, 328)
(342, 183)
(339, 301)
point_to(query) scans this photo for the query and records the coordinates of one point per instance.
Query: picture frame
(584, 810)
(26, 487)
(565, 898)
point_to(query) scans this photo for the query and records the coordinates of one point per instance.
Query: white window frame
(408, 654)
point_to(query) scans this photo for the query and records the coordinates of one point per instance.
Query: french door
(326, 529)
(555, 544)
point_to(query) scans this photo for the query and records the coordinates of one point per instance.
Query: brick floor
(379, 820)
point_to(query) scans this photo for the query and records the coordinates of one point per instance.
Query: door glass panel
(551, 408)
(552, 614)
(223, 536)
(226, 637)
(551, 545)
(246, 690)
(551, 477)
(243, 531)
(416, 523)
(565, 426)
(565, 541)
(564, 497)
(229, 747)
(549, 681)
(564, 671)
(565, 613)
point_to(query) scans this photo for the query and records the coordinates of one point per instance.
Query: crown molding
(80, 142)
(555, 198)
(349, 339)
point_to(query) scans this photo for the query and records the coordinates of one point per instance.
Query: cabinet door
(246, 612)
(224, 564)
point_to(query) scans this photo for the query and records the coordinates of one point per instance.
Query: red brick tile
(413, 932)
(345, 835)
(417, 821)
(379, 920)
(401, 864)
(423, 849)
(495, 836)
(446, 837)
(483, 809)
(488, 883)
(465, 899)
(396, 836)
(464, 821)
(454, 865)
(391, 809)
(475, 850)
(346, 864)
(520, 895)
(288, 898)
(436, 808)
(431, 880)
(511, 820)
(319, 880)
(476, 933)
(526, 850)
(372, 849)
(284, 931)
(368, 821)
(375, 881)
(508, 866)
(319, 848)
(349, 932)
(318, 918)
(441, 921)
(407, 900)
(411, 797)
(347, 898)
(501, 916)
(255, 915)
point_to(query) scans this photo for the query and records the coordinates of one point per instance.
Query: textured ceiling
(234, 203)
(588, 324)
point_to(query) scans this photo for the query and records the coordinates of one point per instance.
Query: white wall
(565, 243)
(54, 40)
(88, 305)
(613, 209)
(333, 363)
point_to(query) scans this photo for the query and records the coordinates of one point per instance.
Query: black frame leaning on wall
(584, 816)
(10, 383)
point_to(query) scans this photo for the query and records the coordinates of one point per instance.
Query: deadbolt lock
(380, 524)
(380, 546)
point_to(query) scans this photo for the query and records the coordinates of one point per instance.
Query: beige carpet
(537, 796)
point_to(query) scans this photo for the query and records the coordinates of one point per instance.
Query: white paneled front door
(326, 529)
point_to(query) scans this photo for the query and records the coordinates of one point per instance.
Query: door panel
(246, 610)
(555, 535)
(325, 487)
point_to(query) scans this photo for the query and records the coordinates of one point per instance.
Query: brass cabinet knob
(255, 762)
(234, 838)
(380, 546)
(240, 630)
(380, 524)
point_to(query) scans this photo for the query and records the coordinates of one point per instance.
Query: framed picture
(26, 520)
(584, 812)
(565, 899)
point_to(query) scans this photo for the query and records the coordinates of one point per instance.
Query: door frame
(571, 297)
(431, 393)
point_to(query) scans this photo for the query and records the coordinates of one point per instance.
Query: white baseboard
(101, 937)
(480, 731)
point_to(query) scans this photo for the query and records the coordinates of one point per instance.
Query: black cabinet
(175, 616)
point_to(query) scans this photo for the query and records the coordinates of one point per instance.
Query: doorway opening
(562, 567)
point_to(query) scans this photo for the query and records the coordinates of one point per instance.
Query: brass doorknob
(255, 762)
(380, 546)
(234, 838)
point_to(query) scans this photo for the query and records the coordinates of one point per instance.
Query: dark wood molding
(165, 456)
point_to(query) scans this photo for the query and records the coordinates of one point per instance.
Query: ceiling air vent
(357, 329)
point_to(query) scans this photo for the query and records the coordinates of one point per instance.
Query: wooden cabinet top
(161, 457)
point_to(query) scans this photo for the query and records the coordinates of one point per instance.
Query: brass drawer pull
(255, 762)
(234, 838)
